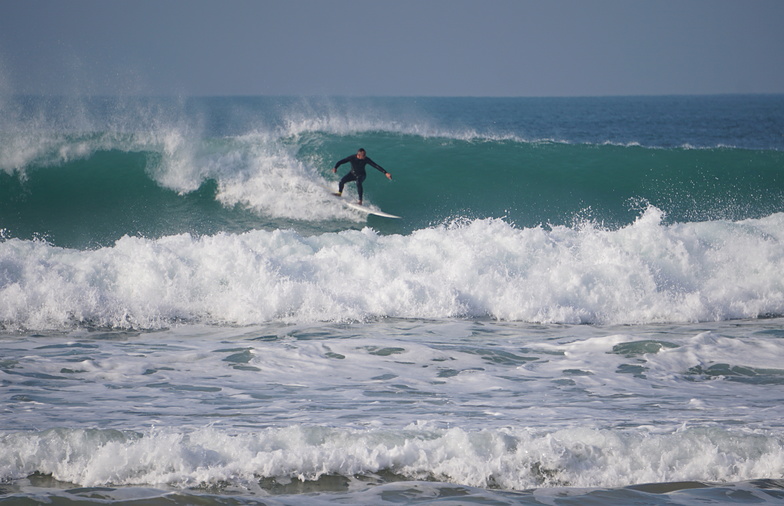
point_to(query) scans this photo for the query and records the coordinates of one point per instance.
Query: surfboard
(363, 209)
(369, 210)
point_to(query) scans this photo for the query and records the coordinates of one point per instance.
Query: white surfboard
(369, 210)
(364, 209)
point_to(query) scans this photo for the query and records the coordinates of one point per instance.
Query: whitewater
(643, 273)
(582, 302)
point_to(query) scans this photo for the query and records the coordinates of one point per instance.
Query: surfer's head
(361, 153)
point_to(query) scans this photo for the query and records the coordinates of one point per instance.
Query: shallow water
(478, 405)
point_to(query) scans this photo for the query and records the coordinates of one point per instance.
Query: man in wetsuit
(357, 172)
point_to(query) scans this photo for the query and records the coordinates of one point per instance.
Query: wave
(88, 191)
(84, 173)
(642, 273)
(93, 202)
(511, 458)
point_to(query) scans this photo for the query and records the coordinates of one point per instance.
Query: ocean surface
(582, 303)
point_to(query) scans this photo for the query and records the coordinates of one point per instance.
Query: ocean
(582, 303)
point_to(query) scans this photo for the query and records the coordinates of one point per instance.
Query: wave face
(88, 173)
(139, 212)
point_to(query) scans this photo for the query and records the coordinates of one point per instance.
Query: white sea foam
(509, 458)
(645, 272)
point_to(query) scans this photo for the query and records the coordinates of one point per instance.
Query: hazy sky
(392, 47)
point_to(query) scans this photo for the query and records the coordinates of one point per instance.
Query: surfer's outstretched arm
(340, 162)
(379, 167)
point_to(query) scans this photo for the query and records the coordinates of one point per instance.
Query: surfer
(357, 172)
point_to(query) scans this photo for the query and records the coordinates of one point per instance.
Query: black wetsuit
(357, 173)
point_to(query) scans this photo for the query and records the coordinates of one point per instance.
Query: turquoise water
(582, 302)
(234, 165)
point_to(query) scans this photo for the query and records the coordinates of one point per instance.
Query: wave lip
(643, 273)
